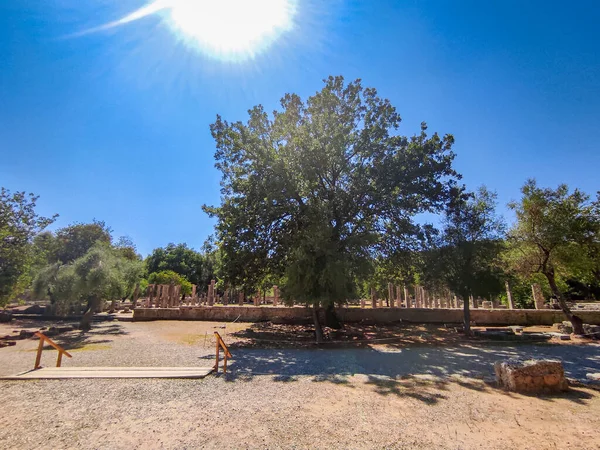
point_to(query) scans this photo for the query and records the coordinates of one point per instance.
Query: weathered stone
(486, 304)
(511, 304)
(5, 316)
(593, 376)
(538, 296)
(531, 376)
(565, 327)
(24, 334)
(593, 330)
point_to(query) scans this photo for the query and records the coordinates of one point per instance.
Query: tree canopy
(316, 190)
(194, 266)
(102, 273)
(19, 224)
(465, 256)
(556, 230)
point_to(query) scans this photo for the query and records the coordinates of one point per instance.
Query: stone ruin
(531, 376)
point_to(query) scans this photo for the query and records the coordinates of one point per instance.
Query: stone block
(565, 327)
(531, 376)
(5, 316)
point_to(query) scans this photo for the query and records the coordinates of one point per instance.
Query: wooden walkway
(51, 373)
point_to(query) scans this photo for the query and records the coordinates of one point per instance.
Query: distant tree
(466, 254)
(19, 223)
(553, 230)
(100, 274)
(311, 193)
(126, 247)
(170, 277)
(74, 241)
(182, 260)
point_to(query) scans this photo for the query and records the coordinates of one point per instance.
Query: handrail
(221, 344)
(38, 357)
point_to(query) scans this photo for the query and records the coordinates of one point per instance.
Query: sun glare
(231, 29)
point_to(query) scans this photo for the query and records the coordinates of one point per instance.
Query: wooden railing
(44, 338)
(221, 344)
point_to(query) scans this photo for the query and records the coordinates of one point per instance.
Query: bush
(170, 277)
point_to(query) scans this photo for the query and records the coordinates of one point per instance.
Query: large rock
(5, 316)
(531, 376)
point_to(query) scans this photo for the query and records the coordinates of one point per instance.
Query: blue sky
(114, 125)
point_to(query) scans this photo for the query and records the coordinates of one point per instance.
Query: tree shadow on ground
(97, 335)
(421, 372)
(269, 335)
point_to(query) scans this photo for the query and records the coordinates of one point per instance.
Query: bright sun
(230, 29)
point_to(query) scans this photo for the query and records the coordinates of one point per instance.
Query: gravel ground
(378, 397)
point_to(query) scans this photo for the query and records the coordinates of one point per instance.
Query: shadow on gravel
(419, 372)
(97, 335)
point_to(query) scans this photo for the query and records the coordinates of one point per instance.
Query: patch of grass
(90, 347)
(193, 339)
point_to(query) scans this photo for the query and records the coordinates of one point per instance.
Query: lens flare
(233, 30)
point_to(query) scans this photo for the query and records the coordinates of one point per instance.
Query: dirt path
(425, 396)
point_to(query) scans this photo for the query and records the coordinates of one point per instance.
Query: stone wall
(350, 315)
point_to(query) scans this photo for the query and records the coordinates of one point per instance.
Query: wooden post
(38, 357)
(59, 359)
(511, 304)
(217, 358)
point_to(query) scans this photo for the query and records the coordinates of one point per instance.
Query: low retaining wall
(351, 315)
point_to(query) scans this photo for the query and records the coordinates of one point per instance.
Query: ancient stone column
(363, 303)
(407, 298)
(275, 295)
(473, 302)
(391, 294)
(150, 294)
(455, 303)
(226, 298)
(257, 299)
(538, 296)
(171, 298)
(373, 298)
(398, 296)
(211, 293)
(194, 297)
(511, 304)
(241, 299)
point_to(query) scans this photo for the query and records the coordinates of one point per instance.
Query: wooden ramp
(51, 373)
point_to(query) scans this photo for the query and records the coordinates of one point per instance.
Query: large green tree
(74, 241)
(553, 231)
(19, 223)
(465, 256)
(181, 259)
(312, 192)
(102, 273)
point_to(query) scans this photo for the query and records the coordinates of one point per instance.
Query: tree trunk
(575, 321)
(318, 329)
(331, 318)
(466, 315)
(85, 324)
